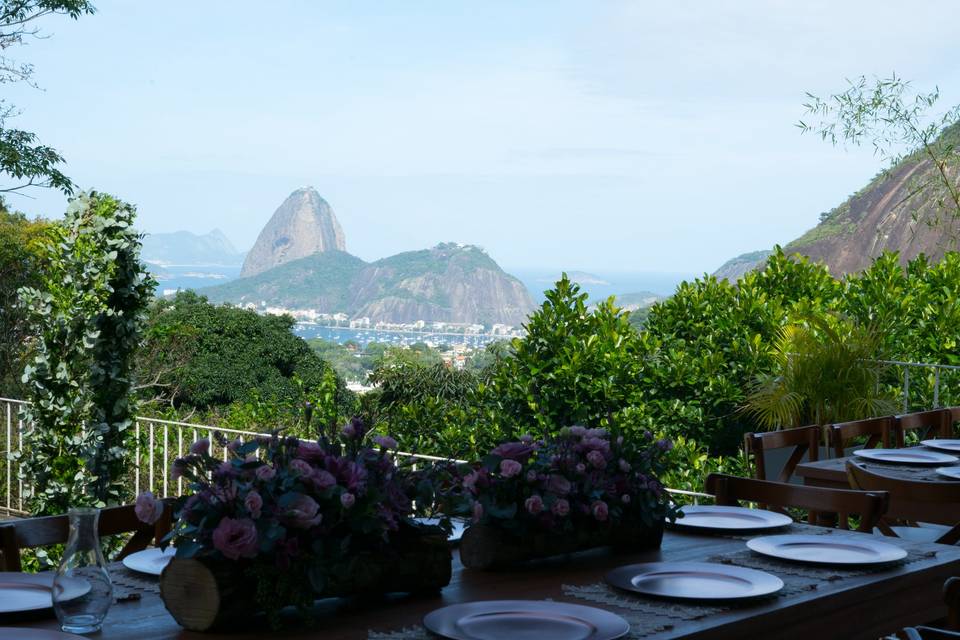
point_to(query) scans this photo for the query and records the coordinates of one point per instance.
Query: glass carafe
(82, 590)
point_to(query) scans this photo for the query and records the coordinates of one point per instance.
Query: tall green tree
(88, 314)
(23, 159)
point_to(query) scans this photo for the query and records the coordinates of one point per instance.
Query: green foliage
(236, 366)
(574, 366)
(826, 370)
(22, 256)
(88, 314)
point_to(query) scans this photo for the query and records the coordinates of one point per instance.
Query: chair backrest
(804, 440)
(869, 505)
(877, 431)
(29, 533)
(911, 500)
(936, 423)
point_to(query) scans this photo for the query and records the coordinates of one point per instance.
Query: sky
(592, 135)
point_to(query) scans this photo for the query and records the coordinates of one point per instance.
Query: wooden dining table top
(832, 472)
(861, 606)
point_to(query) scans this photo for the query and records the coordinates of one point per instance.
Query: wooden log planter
(485, 547)
(203, 594)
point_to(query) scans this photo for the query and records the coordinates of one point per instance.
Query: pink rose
(561, 508)
(534, 504)
(599, 510)
(236, 538)
(347, 500)
(625, 498)
(386, 442)
(470, 480)
(201, 447)
(309, 451)
(300, 467)
(265, 473)
(149, 508)
(323, 479)
(510, 468)
(513, 451)
(477, 512)
(302, 512)
(254, 503)
(558, 484)
(596, 459)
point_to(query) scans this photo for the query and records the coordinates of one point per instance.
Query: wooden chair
(912, 501)
(937, 423)
(877, 431)
(869, 505)
(804, 440)
(30, 533)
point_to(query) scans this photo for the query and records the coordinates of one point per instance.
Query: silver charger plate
(943, 444)
(150, 561)
(828, 549)
(37, 634)
(524, 620)
(20, 592)
(719, 518)
(949, 472)
(906, 456)
(694, 581)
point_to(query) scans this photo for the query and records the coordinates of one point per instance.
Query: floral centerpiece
(288, 521)
(579, 489)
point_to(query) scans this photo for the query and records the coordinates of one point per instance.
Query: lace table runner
(131, 585)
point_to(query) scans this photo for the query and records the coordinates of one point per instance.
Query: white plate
(152, 561)
(906, 456)
(943, 444)
(694, 581)
(36, 634)
(21, 592)
(833, 549)
(949, 472)
(525, 620)
(717, 518)
(459, 526)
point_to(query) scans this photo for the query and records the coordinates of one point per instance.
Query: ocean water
(399, 338)
(172, 278)
(602, 284)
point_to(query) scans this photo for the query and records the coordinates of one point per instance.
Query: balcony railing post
(136, 459)
(166, 460)
(150, 456)
(9, 449)
(936, 387)
(906, 389)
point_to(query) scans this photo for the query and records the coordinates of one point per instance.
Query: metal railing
(907, 366)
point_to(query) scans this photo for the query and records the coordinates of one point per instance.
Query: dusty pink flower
(386, 442)
(477, 512)
(470, 480)
(561, 508)
(236, 538)
(323, 479)
(201, 447)
(624, 465)
(302, 512)
(513, 451)
(347, 500)
(596, 433)
(236, 444)
(510, 468)
(348, 431)
(300, 467)
(600, 510)
(254, 503)
(581, 468)
(309, 451)
(265, 473)
(149, 508)
(558, 484)
(534, 504)
(625, 498)
(596, 459)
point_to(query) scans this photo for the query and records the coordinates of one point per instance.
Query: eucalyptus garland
(88, 316)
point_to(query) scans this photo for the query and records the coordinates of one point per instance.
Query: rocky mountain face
(735, 268)
(185, 248)
(447, 283)
(303, 225)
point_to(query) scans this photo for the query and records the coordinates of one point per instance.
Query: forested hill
(891, 213)
(447, 283)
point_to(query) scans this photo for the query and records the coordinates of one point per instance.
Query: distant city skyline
(616, 136)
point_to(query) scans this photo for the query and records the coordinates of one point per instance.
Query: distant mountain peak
(187, 248)
(303, 225)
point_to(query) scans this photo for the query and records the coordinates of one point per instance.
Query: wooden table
(832, 473)
(859, 607)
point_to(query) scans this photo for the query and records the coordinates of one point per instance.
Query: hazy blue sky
(584, 135)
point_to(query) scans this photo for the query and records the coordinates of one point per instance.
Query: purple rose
(253, 503)
(534, 504)
(561, 508)
(599, 510)
(347, 500)
(624, 465)
(301, 467)
(595, 444)
(513, 451)
(149, 508)
(236, 538)
(477, 512)
(201, 447)
(323, 479)
(596, 459)
(470, 480)
(309, 451)
(558, 484)
(386, 442)
(302, 512)
(596, 433)
(265, 473)
(510, 468)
